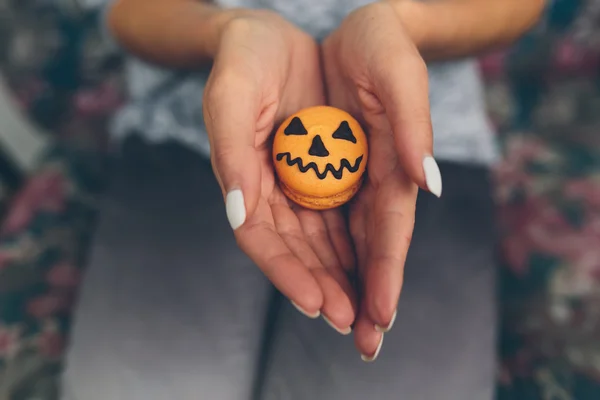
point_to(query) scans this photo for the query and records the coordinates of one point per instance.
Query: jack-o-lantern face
(320, 155)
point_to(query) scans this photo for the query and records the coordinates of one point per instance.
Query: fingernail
(315, 315)
(433, 178)
(346, 331)
(387, 328)
(375, 355)
(235, 208)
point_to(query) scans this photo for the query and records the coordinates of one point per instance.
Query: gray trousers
(172, 310)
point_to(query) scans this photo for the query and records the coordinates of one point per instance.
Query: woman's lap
(171, 308)
(442, 345)
(169, 305)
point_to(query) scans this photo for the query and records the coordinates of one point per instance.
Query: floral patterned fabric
(43, 248)
(543, 95)
(67, 83)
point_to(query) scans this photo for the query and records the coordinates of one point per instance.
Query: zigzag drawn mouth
(337, 173)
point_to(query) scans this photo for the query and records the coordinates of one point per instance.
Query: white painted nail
(390, 325)
(235, 208)
(315, 315)
(433, 177)
(375, 355)
(344, 332)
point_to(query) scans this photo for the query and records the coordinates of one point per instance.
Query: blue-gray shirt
(167, 105)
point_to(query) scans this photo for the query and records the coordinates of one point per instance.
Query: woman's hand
(374, 71)
(265, 70)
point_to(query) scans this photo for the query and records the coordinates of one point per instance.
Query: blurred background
(59, 84)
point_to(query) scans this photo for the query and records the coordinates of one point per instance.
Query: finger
(337, 307)
(337, 230)
(263, 244)
(368, 341)
(393, 216)
(231, 108)
(400, 94)
(358, 230)
(316, 234)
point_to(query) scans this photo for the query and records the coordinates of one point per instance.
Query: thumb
(230, 118)
(400, 87)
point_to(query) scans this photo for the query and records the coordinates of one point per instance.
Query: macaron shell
(321, 203)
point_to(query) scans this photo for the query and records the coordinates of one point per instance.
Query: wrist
(234, 18)
(463, 28)
(211, 28)
(189, 34)
(415, 20)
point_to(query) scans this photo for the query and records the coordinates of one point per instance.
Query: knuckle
(222, 92)
(419, 116)
(416, 63)
(290, 236)
(400, 62)
(317, 236)
(241, 25)
(222, 154)
(225, 83)
(357, 232)
(417, 121)
(417, 68)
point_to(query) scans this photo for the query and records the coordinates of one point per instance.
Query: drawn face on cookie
(320, 151)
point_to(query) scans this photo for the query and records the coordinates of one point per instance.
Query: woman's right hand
(264, 70)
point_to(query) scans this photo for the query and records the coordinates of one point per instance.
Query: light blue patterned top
(167, 105)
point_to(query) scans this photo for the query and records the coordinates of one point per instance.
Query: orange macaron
(320, 155)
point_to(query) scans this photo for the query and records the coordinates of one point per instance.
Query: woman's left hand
(374, 71)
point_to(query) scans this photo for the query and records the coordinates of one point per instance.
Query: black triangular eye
(296, 127)
(344, 132)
